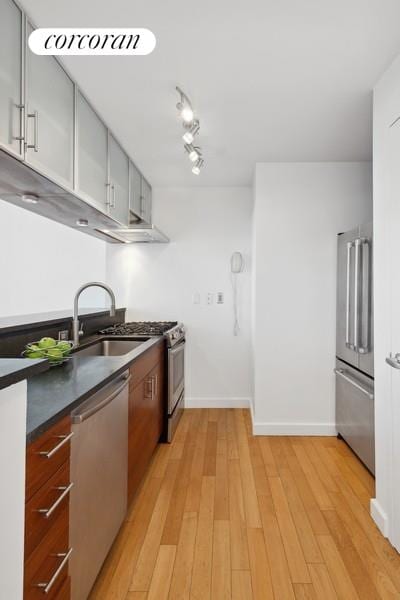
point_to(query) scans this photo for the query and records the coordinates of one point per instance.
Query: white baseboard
(328, 429)
(380, 517)
(217, 402)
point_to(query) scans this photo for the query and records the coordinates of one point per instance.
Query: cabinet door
(10, 76)
(146, 201)
(119, 182)
(135, 194)
(49, 140)
(91, 160)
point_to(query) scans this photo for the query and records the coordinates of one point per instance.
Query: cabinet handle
(155, 385)
(47, 512)
(149, 382)
(35, 145)
(64, 440)
(48, 585)
(20, 137)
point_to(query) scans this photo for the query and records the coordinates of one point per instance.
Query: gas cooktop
(140, 328)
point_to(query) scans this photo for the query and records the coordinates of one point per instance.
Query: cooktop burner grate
(140, 328)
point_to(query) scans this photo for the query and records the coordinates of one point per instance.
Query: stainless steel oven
(176, 385)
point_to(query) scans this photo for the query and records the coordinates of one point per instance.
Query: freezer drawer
(355, 412)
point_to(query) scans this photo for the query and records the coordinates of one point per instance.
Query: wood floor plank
(296, 561)
(352, 561)
(173, 521)
(196, 472)
(259, 566)
(268, 457)
(202, 562)
(136, 596)
(319, 491)
(304, 591)
(231, 437)
(221, 562)
(338, 573)
(182, 574)
(366, 550)
(148, 554)
(311, 551)
(160, 582)
(248, 484)
(280, 575)
(310, 504)
(210, 458)
(241, 585)
(322, 583)
(221, 510)
(239, 551)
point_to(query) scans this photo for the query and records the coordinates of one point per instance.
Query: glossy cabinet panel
(135, 194)
(118, 182)
(146, 201)
(49, 140)
(91, 154)
(11, 115)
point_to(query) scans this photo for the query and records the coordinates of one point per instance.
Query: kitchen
(194, 413)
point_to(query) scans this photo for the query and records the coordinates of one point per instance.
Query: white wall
(42, 264)
(299, 208)
(158, 282)
(386, 109)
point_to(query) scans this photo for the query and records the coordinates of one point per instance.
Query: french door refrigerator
(354, 343)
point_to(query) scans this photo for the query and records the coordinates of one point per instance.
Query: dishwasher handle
(80, 417)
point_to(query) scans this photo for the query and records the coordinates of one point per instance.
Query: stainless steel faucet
(76, 332)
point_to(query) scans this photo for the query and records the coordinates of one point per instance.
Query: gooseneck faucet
(75, 323)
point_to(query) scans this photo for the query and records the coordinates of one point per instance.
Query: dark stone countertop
(54, 394)
(26, 322)
(13, 370)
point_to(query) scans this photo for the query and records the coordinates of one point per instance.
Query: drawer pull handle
(47, 512)
(64, 440)
(47, 586)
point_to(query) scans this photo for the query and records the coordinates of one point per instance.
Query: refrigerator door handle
(356, 339)
(366, 295)
(348, 264)
(341, 373)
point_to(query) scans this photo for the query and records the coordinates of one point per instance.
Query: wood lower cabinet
(146, 413)
(48, 485)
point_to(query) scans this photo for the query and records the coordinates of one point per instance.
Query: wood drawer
(53, 496)
(46, 455)
(44, 563)
(145, 363)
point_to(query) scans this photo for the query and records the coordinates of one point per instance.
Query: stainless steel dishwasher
(99, 454)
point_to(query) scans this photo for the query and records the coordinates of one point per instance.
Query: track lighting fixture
(192, 127)
(185, 107)
(188, 136)
(193, 151)
(197, 166)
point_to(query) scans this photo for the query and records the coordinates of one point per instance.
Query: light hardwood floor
(225, 515)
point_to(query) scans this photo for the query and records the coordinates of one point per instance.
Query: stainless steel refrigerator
(354, 343)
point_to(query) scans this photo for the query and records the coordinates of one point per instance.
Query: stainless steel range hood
(19, 182)
(137, 235)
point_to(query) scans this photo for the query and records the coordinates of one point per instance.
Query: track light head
(188, 136)
(193, 151)
(197, 166)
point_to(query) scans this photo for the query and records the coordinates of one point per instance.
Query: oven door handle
(177, 349)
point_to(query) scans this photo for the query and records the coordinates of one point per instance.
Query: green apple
(47, 342)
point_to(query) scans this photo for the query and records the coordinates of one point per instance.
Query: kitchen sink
(110, 347)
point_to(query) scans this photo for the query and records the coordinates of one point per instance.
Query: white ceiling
(271, 80)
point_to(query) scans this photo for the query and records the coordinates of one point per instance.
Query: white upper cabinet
(146, 201)
(135, 194)
(11, 115)
(49, 138)
(91, 155)
(118, 198)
